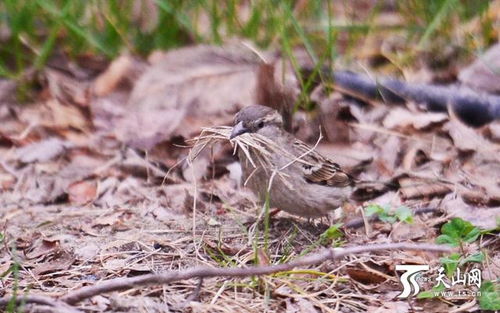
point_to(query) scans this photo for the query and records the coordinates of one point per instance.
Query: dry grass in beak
(247, 143)
(256, 147)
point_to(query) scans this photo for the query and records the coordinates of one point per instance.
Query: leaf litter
(81, 202)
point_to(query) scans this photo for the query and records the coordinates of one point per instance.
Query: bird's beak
(238, 129)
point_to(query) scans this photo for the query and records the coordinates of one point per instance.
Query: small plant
(331, 234)
(385, 214)
(457, 232)
(490, 296)
(433, 293)
(454, 260)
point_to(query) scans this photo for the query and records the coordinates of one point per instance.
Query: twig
(208, 272)
(57, 306)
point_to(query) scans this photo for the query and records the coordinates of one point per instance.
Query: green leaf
(374, 209)
(404, 214)
(385, 214)
(450, 263)
(384, 217)
(490, 296)
(426, 295)
(475, 258)
(431, 293)
(445, 239)
(332, 233)
(472, 235)
(456, 231)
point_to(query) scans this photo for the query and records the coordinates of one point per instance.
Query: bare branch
(57, 306)
(208, 272)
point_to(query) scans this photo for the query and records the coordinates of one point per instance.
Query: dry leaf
(189, 88)
(42, 247)
(332, 110)
(492, 131)
(63, 117)
(82, 192)
(125, 68)
(66, 89)
(404, 120)
(7, 181)
(485, 218)
(415, 187)
(465, 138)
(60, 261)
(483, 74)
(404, 231)
(42, 151)
(366, 275)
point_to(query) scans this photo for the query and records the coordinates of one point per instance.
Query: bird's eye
(261, 124)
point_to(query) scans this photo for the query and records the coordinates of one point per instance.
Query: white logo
(409, 277)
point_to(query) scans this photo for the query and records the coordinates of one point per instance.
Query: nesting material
(257, 148)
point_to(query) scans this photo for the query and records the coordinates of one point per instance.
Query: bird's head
(254, 119)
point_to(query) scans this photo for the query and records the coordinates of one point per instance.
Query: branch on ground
(473, 108)
(125, 283)
(55, 305)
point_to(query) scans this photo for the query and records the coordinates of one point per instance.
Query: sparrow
(295, 177)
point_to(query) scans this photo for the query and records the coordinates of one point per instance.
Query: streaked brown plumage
(308, 184)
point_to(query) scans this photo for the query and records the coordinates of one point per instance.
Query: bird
(295, 178)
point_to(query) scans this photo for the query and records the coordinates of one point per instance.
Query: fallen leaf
(482, 217)
(465, 138)
(114, 218)
(367, 275)
(404, 120)
(42, 247)
(42, 151)
(67, 89)
(404, 231)
(7, 181)
(483, 74)
(125, 68)
(189, 88)
(64, 116)
(82, 192)
(88, 251)
(416, 187)
(493, 131)
(60, 261)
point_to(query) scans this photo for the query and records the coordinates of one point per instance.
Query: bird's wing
(320, 170)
